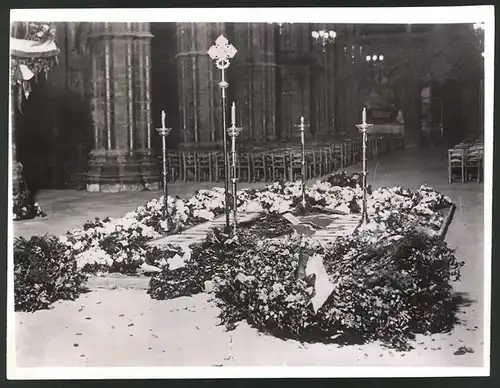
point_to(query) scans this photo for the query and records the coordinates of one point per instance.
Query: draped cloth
(30, 54)
(24, 48)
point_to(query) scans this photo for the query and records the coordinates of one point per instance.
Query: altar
(388, 129)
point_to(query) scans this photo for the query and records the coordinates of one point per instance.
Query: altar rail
(274, 164)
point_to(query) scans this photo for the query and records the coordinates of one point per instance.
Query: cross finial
(302, 124)
(222, 51)
(234, 131)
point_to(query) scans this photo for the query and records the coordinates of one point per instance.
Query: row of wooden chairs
(273, 165)
(465, 162)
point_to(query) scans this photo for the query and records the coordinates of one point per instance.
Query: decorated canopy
(33, 51)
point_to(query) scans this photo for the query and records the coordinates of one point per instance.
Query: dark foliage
(44, 271)
(342, 179)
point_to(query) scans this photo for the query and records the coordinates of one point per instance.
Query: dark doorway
(453, 117)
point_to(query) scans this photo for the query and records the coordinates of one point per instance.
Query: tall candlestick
(363, 128)
(222, 52)
(164, 132)
(302, 126)
(233, 114)
(234, 131)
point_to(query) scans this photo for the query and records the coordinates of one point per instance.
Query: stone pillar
(16, 166)
(410, 91)
(341, 71)
(23, 201)
(295, 79)
(200, 100)
(139, 103)
(254, 80)
(122, 158)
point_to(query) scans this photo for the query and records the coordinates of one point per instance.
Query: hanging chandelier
(479, 26)
(324, 37)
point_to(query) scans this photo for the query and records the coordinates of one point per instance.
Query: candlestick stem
(164, 132)
(223, 85)
(363, 128)
(233, 132)
(302, 126)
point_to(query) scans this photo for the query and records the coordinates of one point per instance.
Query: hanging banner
(23, 48)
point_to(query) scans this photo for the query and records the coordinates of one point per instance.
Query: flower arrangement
(121, 245)
(124, 240)
(24, 206)
(388, 291)
(45, 270)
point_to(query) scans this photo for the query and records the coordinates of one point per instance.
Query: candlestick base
(364, 221)
(170, 224)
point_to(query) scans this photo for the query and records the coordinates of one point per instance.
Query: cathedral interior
(91, 123)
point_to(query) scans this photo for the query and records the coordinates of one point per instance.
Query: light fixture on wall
(375, 58)
(324, 37)
(280, 25)
(479, 31)
(478, 26)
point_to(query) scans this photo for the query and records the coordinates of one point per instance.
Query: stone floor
(101, 327)
(69, 209)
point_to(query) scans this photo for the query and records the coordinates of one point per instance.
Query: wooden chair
(174, 165)
(357, 150)
(294, 166)
(279, 166)
(317, 168)
(473, 165)
(268, 159)
(456, 165)
(243, 167)
(190, 166)
(218, 165)
(204, 168)
(325, 161)
(311, 164)
(348, 153)
(337, 151)
(258, 167)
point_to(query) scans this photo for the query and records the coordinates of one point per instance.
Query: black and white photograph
(250, 192)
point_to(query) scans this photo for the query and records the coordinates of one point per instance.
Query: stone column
(122, 158)
(16, 166)
(410, 91)
(254, 80)
(200, 101)
(353, 106)
(139, 103)
(331, 65)
(23, 201)
(341, 71)
(295, 79)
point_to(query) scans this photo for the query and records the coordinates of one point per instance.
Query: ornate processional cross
(222, 51)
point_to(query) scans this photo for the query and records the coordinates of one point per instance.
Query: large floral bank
(389, 280)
